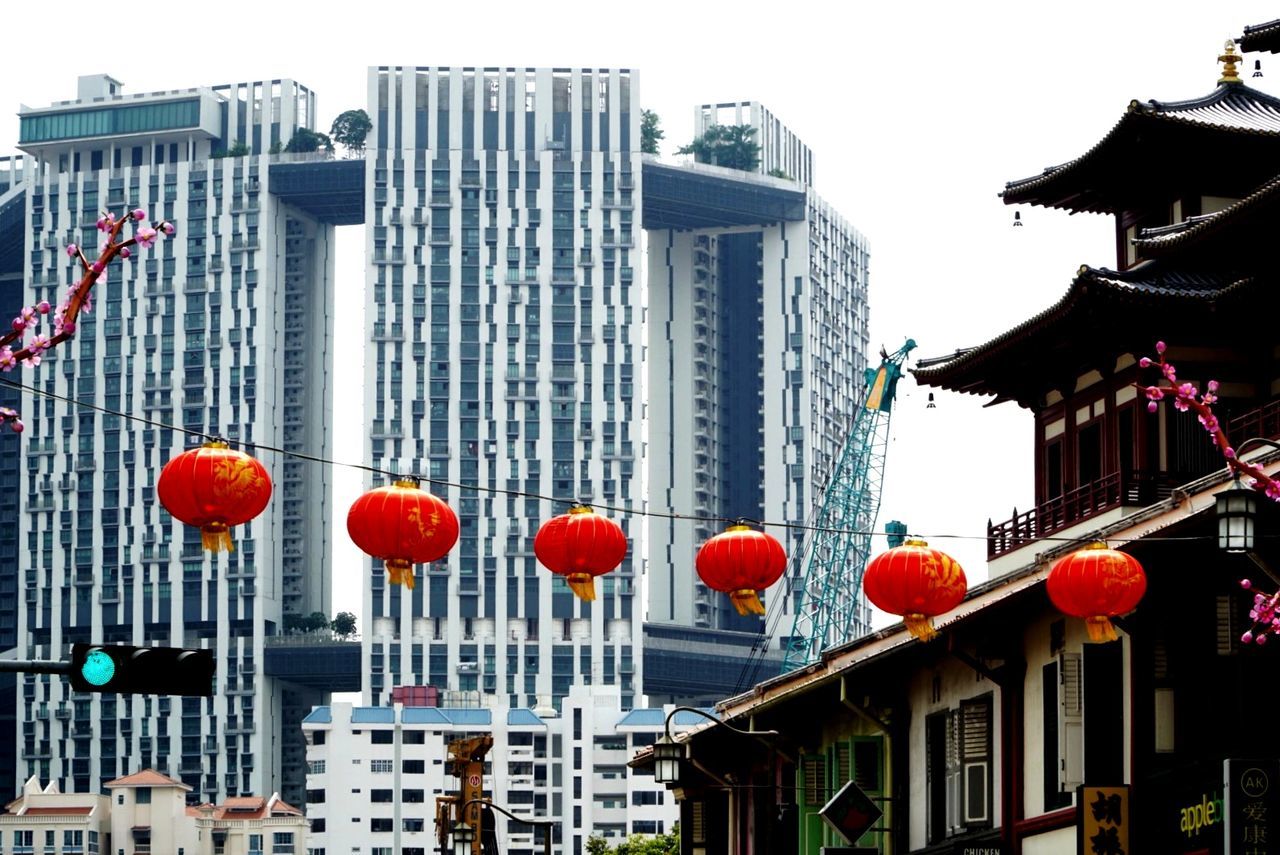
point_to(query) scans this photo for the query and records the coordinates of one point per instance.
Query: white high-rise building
(758, 343)
(224, 329)
(373, 773)
(508, 351)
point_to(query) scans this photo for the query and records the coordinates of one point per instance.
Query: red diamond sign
(851, 812)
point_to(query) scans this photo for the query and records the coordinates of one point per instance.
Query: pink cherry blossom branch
(1186, 397)
(79, 297)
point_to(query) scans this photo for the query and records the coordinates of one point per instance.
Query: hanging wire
(628, 510)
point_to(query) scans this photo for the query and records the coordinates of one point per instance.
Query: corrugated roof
(422, 715)
(319, 715)
(146, 778)
(523, 717)
(468, 716)
(58, 811)
(656, 718)
(373, 715)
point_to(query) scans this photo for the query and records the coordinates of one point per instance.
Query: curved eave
(1236, 215)
(989, 368)
(1233, 109)
(1261, 37)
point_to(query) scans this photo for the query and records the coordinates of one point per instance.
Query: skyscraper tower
(507, 352)
(223, 330)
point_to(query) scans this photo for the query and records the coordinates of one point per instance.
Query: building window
(958, 765)
(142, 796)
(282, 842)
(379, 824)
(381, 765)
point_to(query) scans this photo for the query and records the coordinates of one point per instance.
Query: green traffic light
(98, 668)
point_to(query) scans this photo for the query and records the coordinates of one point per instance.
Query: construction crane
(465, 761)
(830, 608)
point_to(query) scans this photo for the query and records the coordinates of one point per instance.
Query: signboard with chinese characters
(1252, 789)
(1102, 825)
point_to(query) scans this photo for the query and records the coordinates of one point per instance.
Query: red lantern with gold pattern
(740, 561)
(214, 487)
(917, 582)
(403, 525)
(580, 546)
(1097, 583)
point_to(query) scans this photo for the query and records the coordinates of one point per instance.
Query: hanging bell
(1017, 218)
(931, 405)
(1257, 68)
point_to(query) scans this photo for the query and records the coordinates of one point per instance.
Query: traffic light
(126, 670)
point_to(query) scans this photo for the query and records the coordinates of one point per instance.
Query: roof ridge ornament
(1228, 60)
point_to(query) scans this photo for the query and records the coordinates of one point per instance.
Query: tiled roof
(244, 802)
(244, 808)
(1233, 108)
(373, 715)
(1152, 242)
(1264, 37)
(319, 715)
(146, 778)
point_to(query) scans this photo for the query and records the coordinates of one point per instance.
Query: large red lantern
(1097, 583)
(917, 582)
(403, 525)
(580, 546)
(214, 487)
(740, 561)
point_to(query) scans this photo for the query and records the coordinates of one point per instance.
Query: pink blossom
(145, 236)
(1144, 362)
(1246, 584)
(18, 426)
(32, 361)
(139, 214)
(1273, 490)
(1152, 407)
(1170, 373)
(29, 315)
(1210, 423)
(67, 327)
(72, 250)
(1188, 390)
(19, 324)
(1212, 385)
(106, 221)
(7, 362)
(39, 343)
(97, 267)
(1262, 638)
(43, 307)
(167, 228)
(1180, 405)
(1160, 347)
(125, 252)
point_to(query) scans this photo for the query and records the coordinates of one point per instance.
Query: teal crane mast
(830, 608)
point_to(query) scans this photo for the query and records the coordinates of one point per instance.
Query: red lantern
(403, 525)
(1097, 583)
(580, 545)
(214, 487)
(740, 561)
(917, 582)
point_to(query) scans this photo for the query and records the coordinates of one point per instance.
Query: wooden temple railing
(1130, 489)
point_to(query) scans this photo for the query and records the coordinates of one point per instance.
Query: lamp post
(668, 754)
(464, 835)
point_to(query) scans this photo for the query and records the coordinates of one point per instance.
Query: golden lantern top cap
(1228, 59)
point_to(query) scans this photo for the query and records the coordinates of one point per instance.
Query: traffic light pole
(36, 666)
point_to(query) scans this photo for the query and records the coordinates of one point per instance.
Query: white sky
(917, 114)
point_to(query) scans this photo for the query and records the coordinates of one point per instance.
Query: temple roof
(1265, 37)
(1103, 315)
(1240, 231)
(1212, 140)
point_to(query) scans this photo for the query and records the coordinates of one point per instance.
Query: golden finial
(1228, 60)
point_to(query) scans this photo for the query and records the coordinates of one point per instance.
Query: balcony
(1133, 489)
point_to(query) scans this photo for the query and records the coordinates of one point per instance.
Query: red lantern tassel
(1100, 628)
(921, 626)
(583, 586)
(400, 572)
(216, 537)
(747, 601)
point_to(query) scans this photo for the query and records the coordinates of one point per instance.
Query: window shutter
(953, 771)
(844, 770)
(975, 759)
(868, 763)
(1228, 631)
(1070, 722)
(815, 779)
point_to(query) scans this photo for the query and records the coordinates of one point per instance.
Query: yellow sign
(1103, 827)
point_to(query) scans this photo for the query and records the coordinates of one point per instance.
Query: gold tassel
(1100, 628)
(747, 602)
(921, 626)
(216, 537)
(583, 586)
(399, 572)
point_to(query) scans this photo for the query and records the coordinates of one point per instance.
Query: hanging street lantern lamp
(580, 545)
(403, 525)
(741, 561)
(214, 487)
(1097, 584)
(917, 582)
